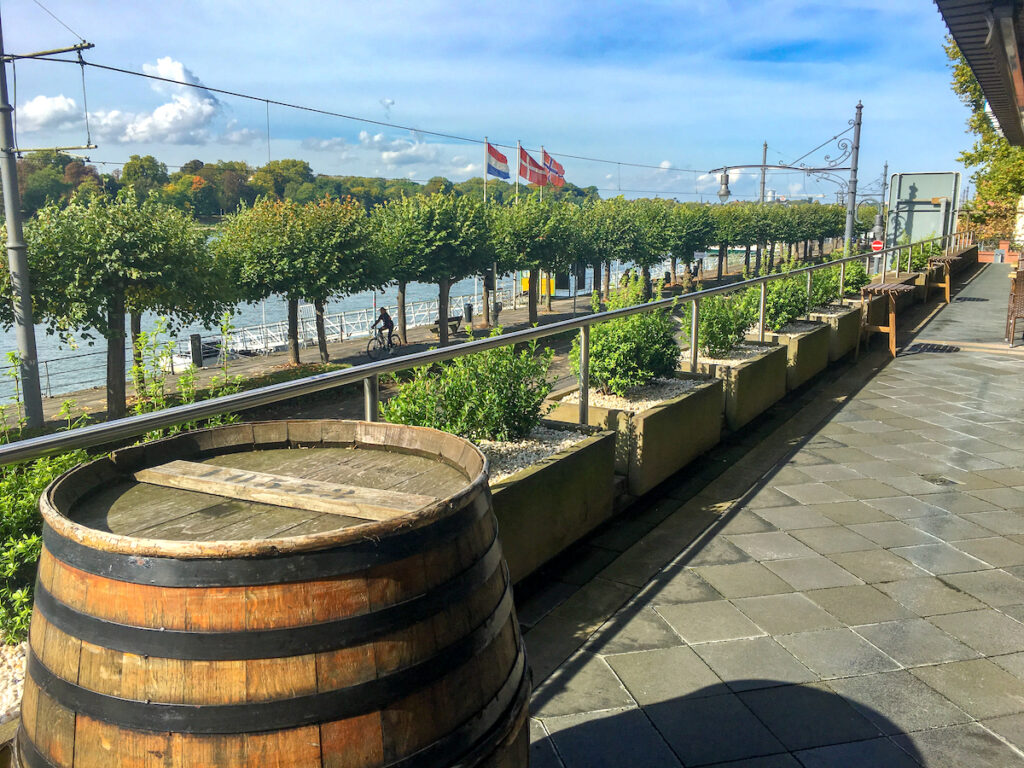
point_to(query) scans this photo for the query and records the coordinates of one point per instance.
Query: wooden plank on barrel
(284, 491)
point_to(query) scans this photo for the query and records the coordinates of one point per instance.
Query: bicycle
(377, 347)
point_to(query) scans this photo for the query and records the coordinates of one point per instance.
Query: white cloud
(335, 144)
(185, 119)
(394, 152)
(48, 113)
(239, 136)
(665, 165)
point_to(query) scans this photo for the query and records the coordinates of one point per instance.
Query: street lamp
(723, 191)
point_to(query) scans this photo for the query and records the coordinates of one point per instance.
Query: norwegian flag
(556, 171)
(531, 170)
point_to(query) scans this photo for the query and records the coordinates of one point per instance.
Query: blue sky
(691, 84)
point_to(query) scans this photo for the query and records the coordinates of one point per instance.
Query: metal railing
(369, 374)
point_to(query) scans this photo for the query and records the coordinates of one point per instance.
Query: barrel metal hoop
(294, 712)
(270, 569)
(28, 755)
(268, 643)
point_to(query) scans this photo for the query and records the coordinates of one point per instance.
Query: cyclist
(386, 324)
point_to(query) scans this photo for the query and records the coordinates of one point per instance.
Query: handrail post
(584, 374)
(809, 273)
(842, 280)
(371, 398)
(761, 310)
(899, 255)
(694, 324)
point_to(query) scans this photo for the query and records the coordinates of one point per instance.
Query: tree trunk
(486, 299)
(606, 287)
(136, 325)
(821, 248)
(549, 284)
(115, 357)
(645, 274)
(596, 287)
(757, 259)
(723, 256)
(293, 331)
(401, 312)
(531, 296)
(321, 331)
(746, 260)
(807, 246)
(672, 271)
(789, 251)
(443, 286)
(771, 258)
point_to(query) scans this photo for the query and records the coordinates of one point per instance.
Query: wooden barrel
(303, 593)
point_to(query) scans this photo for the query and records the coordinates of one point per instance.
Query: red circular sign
(877, 245)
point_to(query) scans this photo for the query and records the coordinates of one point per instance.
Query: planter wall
(968, 258)
(546, 507)
(844, 329)
(752, 386)
(654, 444)
(806, 353)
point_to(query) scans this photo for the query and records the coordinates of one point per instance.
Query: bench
(890, 291)
(453, 325)
(947, 263)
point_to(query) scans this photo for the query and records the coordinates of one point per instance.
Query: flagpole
(518, 161)
(545, 177)
(485, 169)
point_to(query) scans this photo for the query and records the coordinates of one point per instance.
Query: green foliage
(786, 300)
(724, 320)
(631, 351)
(493, 395)
(856, 277)
(824, 286)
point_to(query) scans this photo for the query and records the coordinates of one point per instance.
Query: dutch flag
(497, 163)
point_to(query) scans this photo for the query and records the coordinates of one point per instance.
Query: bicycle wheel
(375, 348)
(396, 343)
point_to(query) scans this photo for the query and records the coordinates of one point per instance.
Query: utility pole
(764, 170)
(851, 202)
(880, 223)
(17, 259)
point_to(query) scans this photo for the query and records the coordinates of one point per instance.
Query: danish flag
(531, 170)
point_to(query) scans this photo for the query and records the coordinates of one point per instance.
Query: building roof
(989, 34)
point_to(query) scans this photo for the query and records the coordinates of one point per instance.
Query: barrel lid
(263, 483)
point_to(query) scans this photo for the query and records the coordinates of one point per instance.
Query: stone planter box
(844, 329)
(806, 353)
(654, 444)
(750, 387)
(546, 507)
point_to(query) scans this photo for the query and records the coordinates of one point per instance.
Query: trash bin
(310, 589)
(497, 311)
(467, 313)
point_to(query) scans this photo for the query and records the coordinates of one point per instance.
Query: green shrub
(856, 278)
(824, 286)
(724, 320)
(630, 351)
(493, 395)
(786, 301)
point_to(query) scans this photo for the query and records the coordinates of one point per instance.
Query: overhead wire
(58, 20)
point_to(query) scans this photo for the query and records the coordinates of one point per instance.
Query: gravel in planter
(640, 398)
(800, 326)
(738, 354)
(12, 679)
(831, 309)
(508, 457)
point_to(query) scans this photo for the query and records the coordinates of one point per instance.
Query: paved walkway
(857, 601)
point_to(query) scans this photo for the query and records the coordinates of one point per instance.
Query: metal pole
(371, 397)
(808, 291)
(584, 374)
(694, 322)
(764, 170)
(761, 311)
(842, 280)
(17, 261)
(851, 202)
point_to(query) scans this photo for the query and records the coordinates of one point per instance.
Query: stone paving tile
(903, 507)
(590, 562)
(997, 588)
(542, 750)
(912, 484)
(814, 493)
(822, 472)
(893, 534)
(709, 622)
(957, 503)
(786, 614)
(864, 488)
(898, 701)
(770, 546)
(717, 551)
(1001, 522)
(1010, 477)
(1007, 498)
(1010, 727)
(811, 573)
(711, 730)
(995, 551)
(940, 559)
(664, 675)
(878, 565)
(849, 512)
(858, 754)
(858, 605)
(837, 538)
(960, 746)
(755, 663)
(683, 586)
(836, 653)
(913, 642)
(634, 629)
(806, 716)
(770, 497)
(978, 687)
(745, 521)
(949, 528)
(585, 683)
(610, 740)
(783, 760)
(743, 580)
(987, 631)
(1012, 663)
(929, 597)
(787, 518)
